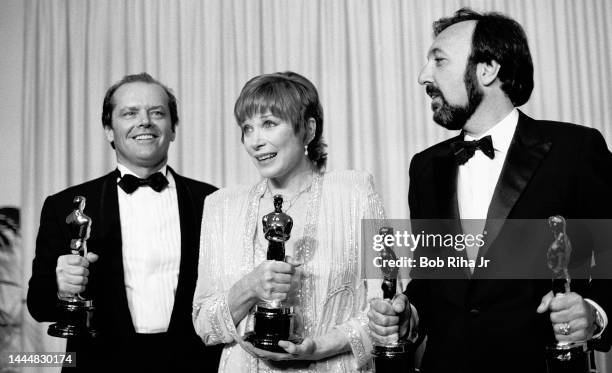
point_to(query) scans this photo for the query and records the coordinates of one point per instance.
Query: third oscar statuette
(398, 356)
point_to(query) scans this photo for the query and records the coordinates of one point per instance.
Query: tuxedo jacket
(113, 349)
(474, 323)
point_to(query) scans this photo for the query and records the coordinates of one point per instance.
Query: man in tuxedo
(141, 267)
(503, 166)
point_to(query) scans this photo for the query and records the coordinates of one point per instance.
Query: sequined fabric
(332, 295)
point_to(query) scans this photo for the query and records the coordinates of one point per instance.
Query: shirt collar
(501, 133)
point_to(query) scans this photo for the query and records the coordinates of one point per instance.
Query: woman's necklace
(293, 199)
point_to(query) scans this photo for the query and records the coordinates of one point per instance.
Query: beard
(454, 117)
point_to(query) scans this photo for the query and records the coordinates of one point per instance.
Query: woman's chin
(267, 173)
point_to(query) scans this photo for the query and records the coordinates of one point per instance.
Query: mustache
(433, 91)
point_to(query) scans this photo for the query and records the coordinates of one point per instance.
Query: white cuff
(414, 333)
(213, 322)
(601, 318)
(358, 334)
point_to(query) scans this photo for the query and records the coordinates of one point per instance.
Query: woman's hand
(312, 349)
(271, 280)
(304, 351)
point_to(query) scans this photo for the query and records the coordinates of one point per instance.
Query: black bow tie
(464, 150)
(129, 183)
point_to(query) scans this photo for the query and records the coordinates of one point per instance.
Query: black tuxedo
(115, 347)
(474, 324)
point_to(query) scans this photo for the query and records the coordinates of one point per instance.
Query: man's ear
(487, 72)
(110, 136)
(173, 136)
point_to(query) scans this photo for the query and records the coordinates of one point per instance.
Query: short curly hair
(291, 97)
(500, 38)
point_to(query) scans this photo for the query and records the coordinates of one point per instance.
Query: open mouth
(265, 157)
(144, 136)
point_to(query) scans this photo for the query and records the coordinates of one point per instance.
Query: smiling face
(274, 147)
(449, 79)
(141, 127)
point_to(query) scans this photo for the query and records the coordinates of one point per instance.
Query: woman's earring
(306, 150)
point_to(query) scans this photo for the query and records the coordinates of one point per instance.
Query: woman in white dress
(282, 124)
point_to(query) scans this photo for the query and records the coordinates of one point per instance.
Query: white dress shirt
(477, 178)
(151, 236)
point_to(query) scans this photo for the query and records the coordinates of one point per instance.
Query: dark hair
(288, 96)
(500, 38)
(108, 104)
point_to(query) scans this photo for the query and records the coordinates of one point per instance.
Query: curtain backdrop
(363, 55)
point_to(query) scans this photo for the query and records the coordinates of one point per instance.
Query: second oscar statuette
(274, 319)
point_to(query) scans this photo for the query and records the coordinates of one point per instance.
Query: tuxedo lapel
(445, 184)
(111, 256)
(526, 151)
(189, 250)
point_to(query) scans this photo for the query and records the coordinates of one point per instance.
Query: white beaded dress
(332, 292)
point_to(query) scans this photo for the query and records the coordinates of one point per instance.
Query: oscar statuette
(274, 319)
(76, 312)
(398, 356)
(563, 357)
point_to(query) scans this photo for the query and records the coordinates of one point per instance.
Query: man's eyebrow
(129, 107)
(434, 50)
(136, 107)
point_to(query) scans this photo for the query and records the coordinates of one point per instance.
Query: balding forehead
(455, 38)
(155, 87)
(463, 29)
